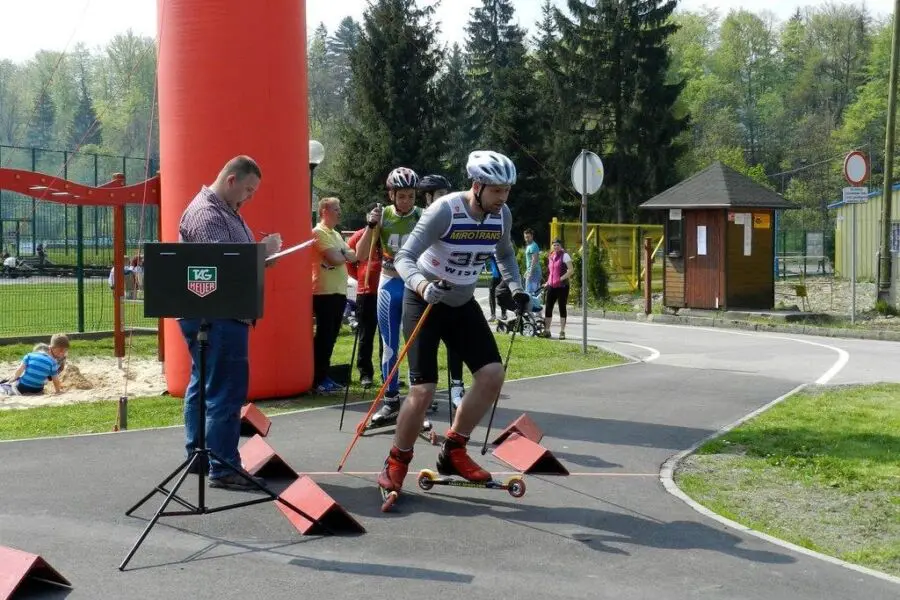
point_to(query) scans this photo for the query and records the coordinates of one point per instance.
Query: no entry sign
(856, 168)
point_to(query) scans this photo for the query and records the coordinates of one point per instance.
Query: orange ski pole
(362, 424)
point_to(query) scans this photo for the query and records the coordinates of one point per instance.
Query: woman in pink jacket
(559, 269)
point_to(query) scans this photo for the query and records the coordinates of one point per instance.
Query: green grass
(138, 345)
(531, 357)
(821, 470)
(46, 308)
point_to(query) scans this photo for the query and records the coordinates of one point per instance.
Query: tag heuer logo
(201, 280)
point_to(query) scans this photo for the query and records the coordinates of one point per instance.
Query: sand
(88, 379)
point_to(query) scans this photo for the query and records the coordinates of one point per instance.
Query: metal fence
(622, 245)
(64, 254)
(804, 253)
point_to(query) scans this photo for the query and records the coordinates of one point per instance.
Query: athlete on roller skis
(440, 264)
(394, 223)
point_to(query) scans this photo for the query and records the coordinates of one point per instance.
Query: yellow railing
(622, 243)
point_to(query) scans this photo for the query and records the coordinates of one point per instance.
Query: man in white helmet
(440, 264)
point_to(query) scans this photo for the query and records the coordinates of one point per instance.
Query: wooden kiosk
(719, 250)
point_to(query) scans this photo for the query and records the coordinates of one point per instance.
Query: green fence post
(79, 263)
(66, 206)
(95, 208)
(33, 205)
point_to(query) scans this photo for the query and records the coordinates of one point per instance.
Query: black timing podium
(203, 281)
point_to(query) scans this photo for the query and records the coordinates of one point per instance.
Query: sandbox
(93, 378)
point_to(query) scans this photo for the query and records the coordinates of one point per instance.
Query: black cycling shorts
(463, 329)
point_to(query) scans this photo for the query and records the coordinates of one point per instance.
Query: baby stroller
(532, 322)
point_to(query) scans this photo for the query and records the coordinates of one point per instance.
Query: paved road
(609, 530)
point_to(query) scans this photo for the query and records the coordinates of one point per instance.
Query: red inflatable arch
(233, 81)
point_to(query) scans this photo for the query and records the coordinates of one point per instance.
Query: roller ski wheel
(388, 499)
(514, 485)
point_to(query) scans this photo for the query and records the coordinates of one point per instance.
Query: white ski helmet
(402, 178)
(491, 168)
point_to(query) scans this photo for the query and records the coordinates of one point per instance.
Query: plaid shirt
(209, 220)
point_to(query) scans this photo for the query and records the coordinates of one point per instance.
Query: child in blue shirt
(43, 363)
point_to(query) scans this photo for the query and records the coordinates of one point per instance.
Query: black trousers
(492, 295)
(556, 295)
(329, 312)
(367, 318)
(463, 329)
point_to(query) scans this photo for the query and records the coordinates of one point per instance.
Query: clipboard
(291, 250)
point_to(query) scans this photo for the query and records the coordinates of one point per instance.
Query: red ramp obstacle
(525, 426)
(254, 421)
(259, 458)
(528, 457)
(311, 499)
(18, 568)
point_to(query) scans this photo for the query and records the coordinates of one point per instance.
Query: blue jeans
(533, 283)
(227, 382)
(390, 316)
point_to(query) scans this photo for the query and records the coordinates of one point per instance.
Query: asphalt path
(608, 530)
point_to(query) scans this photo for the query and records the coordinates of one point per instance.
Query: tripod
(198, 461)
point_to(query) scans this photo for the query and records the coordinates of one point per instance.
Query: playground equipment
(114, 193)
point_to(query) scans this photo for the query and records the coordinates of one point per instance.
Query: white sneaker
(457, 391)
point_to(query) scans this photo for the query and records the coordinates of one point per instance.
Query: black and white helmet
(491, 168)
(402, 178)
(431, 183)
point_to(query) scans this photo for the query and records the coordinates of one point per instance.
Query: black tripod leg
(159, 489)
(158, 513)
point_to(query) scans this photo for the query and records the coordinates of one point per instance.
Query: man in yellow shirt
(329, 290)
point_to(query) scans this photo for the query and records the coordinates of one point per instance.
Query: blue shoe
(332, 385)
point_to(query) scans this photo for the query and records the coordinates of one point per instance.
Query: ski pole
(497, 399)
(349, 375)
(358, 329)
(362, 424)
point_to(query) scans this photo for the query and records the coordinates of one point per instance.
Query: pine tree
(458, 131)
(394, 106)
(504, 99)
(85, 129)
(615, 56)
(339, 46)
(553, 112)
(321, 84)
(40, 133)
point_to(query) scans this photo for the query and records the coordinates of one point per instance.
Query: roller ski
(456, 468)
(514, 484)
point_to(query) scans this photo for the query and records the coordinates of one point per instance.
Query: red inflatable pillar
(232, 80)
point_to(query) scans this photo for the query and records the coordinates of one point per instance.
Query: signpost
(856, 171)
(587, 177)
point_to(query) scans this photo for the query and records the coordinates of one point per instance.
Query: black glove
(523, 301)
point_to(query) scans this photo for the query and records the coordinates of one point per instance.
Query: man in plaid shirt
(213, 217)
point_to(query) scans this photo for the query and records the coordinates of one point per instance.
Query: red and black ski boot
(390, 480)
(454, 460)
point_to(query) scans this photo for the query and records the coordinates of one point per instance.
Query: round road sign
(856, 168)
(587, 168)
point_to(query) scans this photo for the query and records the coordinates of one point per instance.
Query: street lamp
(316, 156)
